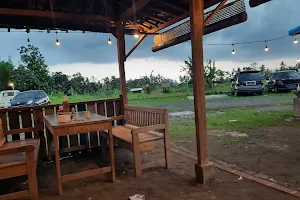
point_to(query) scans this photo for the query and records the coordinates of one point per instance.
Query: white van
(6, 96)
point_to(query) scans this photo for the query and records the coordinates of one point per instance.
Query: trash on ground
(137, 197)
(288, 120)
(233, 120)
(240, 178)
(62, 158)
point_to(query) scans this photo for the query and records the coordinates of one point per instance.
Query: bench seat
(18, 158)
(124, 133)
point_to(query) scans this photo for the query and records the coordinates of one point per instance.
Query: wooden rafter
(109, 8)
(130, 12)
(170, 22)
(135, 46)
(161, 11)
(154, 18)
(212, 14)
(56, 15)
(172, 6)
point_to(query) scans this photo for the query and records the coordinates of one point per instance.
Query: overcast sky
(90, 54)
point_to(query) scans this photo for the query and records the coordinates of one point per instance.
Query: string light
(136, 35)
(298, 59)
(233, 51)
(57, 41)
(295, 41)
(109, 41)
(266, 49)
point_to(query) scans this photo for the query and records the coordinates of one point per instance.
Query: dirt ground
(271, 153)
(155, 184)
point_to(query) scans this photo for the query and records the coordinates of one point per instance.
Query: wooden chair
(143, 130)
(19, 158)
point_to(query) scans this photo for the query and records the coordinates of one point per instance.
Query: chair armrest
(148, 128)
(16, 149)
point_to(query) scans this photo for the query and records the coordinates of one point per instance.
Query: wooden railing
(27, 122)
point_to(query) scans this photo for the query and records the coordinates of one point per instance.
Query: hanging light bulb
(295, 41)
(109, 41)
(266, 49)
(57, 41)
(136, 35)
(233, 51)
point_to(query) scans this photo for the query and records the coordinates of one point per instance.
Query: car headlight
(29, 102)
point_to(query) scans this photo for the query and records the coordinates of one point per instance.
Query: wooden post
(205, 170)
(121, 57)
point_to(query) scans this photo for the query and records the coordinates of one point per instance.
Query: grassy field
(241, 120)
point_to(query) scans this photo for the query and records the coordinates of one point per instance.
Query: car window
(24, 95)
(8, 94)
(44, 94)
(289, 74)
(235, 77)
(250, 77)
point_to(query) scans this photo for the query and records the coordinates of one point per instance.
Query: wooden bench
(143, 130)
(19, 158)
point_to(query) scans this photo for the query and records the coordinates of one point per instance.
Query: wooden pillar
(121, 58)
(205, 170)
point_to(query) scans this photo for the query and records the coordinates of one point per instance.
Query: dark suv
(250, 82)
(30, 98)
(283, 81)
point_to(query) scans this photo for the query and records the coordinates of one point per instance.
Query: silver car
(250, 82)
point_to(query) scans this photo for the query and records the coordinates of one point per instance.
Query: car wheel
(276, 90)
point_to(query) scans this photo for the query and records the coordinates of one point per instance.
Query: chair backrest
(2, 136)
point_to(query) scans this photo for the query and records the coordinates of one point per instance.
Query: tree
(33, 61)
(60, 82)
(6, 69)
(282, 66)
(188, 67)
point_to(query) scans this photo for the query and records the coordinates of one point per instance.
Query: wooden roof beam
(170, 22)
(161, 11)
(130, 12)
(174, 7)
(55, 15)
(212, 14)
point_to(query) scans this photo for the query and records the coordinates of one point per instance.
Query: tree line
(213, 76)
(33, 73)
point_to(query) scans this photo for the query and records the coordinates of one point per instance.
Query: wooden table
(95, 123)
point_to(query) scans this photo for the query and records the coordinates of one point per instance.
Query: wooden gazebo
(144, 17)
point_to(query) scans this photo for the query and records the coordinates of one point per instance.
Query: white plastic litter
(137, 197)
(240, 178)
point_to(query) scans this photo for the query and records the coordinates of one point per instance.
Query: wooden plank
(38, 123)
(31, 173)
(151, 164)
(143, 108)
(83, 136)
(79, 175)
(197, 31)
(14, 123)
(15, 195)
(13, 171)
(57, 162)
(101, 108)
(214, 12)
(49, 111)
(119, 111)
(130, 12)
(54, 15)
(167, 141)
(21, 130)
(27, 122)
(110, 109)
(4, 121)
(112, 154)
(93, 136)
(121, 59)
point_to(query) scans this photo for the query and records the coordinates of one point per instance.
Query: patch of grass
(159, 101)
(246, 119)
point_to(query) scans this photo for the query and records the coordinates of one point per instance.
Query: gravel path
(265, 102)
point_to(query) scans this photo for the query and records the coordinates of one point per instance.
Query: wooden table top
(95, 118)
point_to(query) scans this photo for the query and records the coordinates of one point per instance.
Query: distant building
(138, 90)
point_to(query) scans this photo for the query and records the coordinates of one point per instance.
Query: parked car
(30, 98)
(283, 81)
(6, 96)
(250, 82)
